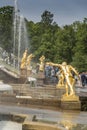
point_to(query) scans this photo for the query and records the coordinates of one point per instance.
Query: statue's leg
(71, 84)
(66, 87)
(67, 91)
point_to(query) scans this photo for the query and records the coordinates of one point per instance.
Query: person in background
(83, 79)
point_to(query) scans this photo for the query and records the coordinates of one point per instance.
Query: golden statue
(61, 79)
(23, 61)
(28, 61)
(42, 59)
(67, 79)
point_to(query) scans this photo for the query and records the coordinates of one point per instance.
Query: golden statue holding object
(23, 61)
(42, 59)
(28, 61)
(61, 79)
(67, 80)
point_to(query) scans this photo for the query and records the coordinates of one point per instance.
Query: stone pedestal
(23, 76)
(29, 72)
(23, 73)
(40, 78)
(71, 105)
(70, 102)
(22, 80)
(72, 97)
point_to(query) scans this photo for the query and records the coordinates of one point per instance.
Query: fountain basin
(9, 125)
(5, 87)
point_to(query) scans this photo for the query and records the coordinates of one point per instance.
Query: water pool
(9, 125)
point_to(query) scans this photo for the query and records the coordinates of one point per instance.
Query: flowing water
(20, 34)
(22, 38)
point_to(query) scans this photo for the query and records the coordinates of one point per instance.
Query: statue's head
(64, 63)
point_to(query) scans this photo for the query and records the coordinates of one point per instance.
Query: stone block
(71, 105)
(23, 72)
(41, 75)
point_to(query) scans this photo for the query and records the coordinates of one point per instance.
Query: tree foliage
(6, 18)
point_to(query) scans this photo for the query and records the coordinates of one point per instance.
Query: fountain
(5, 87)
(68, 101)
(20, 35)
(20, 43)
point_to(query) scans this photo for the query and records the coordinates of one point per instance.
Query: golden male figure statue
(23, 61)
(61, 79)
(42, 59)
(28, 61)
(68, 78)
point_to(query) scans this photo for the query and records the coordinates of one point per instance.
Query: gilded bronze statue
(23, 61)
(28, 61)
(67, 78)
(42, 59)
(60, 76)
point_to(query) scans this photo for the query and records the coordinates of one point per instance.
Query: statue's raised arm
(53, 64)
(74, 70)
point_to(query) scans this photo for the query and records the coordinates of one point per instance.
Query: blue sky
(65, 11)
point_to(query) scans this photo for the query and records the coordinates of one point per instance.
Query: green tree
(47, 17)
(42, 36)
(80, 49)
(6, 21)
(64, 44)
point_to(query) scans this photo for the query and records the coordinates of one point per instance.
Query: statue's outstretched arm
(53, 64)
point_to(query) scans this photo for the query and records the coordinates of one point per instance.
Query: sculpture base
(23, 73)
(70, 102)
(40, 78)
(22, 80)
(71, 105)
(29, 72)
(69, 98)
(41, 75)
